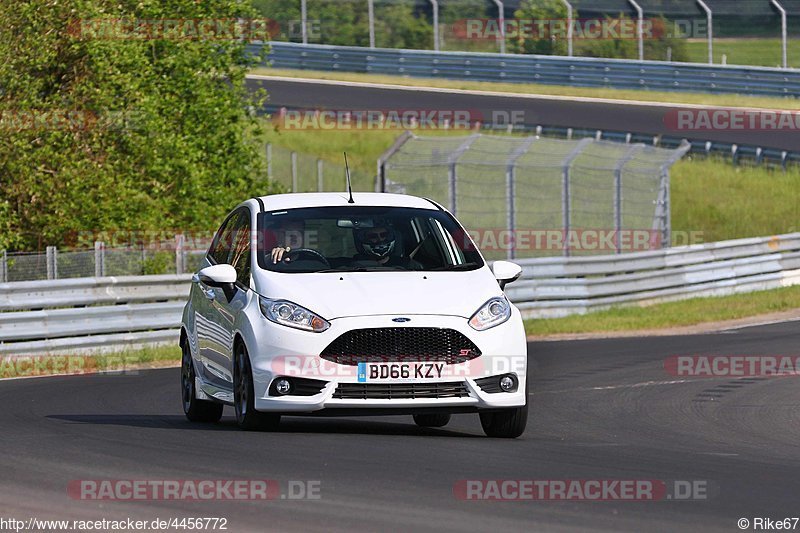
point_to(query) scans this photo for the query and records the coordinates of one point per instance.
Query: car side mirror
(222, 276)
(506, 272)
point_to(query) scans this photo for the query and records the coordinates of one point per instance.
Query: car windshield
(363, 239)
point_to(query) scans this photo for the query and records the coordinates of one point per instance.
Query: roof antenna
(349, 186)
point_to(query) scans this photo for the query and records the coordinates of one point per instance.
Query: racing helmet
(376, 242)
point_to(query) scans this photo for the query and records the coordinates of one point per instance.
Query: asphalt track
(601, 409)
(566, 112)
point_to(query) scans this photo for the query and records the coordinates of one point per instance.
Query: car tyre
(432, 420)
(194, 409)
(505, 423)
(244, 396)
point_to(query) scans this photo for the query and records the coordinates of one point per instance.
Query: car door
(229, 306)
(213, 338)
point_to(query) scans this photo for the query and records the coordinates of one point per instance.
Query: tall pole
(371, 13)
(304, 21)
(710, 19)
(501, 18)
(435, 5)
(784, 61)
(569, 27)
(639, 27)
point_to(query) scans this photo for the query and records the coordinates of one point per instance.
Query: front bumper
(283, 351)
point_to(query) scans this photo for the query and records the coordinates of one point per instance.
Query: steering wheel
(294, 255)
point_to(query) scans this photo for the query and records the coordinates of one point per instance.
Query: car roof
(275, 202)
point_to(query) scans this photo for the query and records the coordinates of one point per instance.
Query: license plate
(395, 371)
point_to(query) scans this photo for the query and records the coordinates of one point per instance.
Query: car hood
(338, 295)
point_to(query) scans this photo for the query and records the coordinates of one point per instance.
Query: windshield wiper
(343, 269)
(462, 266)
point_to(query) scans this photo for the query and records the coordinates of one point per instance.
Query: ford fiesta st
(373, 304)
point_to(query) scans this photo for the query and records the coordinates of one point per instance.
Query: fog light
(507, 383)
(283, 386)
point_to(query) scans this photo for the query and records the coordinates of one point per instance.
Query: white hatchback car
(316, 304)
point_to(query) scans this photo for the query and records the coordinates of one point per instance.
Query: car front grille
(400, 391)
(389, 345)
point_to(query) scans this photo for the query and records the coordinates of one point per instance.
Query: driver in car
(380, 244)
(290, 234)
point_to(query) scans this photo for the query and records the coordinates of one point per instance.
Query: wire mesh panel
(532, 196)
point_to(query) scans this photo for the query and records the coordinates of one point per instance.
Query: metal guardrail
(551, 70)
(90, 313)
(67, 316)
(552, 287)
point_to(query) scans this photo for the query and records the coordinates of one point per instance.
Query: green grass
(121, 361)
(556, 90)
(672, 314)
(722, 201)
(763, 52)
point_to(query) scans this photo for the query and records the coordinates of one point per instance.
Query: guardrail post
(371, 16)
(269, 161)
(639, 27)
(501, 19)
(99, 259)
(435, 5)
(52, 262)
(783, 32)
(569, 27)
(320, 178)
(294, 171)
(180, 241)
(304, 21)
(710, 19)
(4, 267)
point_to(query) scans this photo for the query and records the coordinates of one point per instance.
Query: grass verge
(124, 361)
(764, 52)
(672, 314)
(540, 89)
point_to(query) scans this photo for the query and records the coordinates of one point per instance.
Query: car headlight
(492, 313)
(290, 314)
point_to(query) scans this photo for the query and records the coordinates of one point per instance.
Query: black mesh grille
(398, 391)
(383, 345)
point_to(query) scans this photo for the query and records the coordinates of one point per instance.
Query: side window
(221, 245)
(240, 253)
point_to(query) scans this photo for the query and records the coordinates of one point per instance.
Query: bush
(159, 134)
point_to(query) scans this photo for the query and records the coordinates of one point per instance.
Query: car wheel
(244, 396)
(505, 423)
(431, 420)
(194, 409)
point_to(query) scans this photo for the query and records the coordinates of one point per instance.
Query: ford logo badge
(401, 319)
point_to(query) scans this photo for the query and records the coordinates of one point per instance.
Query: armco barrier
(552, 70)
(111, 313)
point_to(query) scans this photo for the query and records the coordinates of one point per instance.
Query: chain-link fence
(168, 257)
(535, 196)
(299, 172)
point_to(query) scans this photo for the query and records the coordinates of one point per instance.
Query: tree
(104, 129)
(532, 42)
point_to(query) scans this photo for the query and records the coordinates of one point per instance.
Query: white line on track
(615, 387)
(417, 88)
